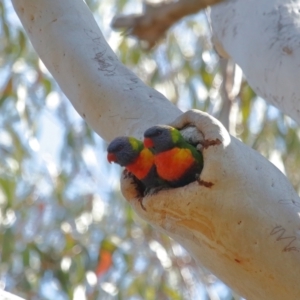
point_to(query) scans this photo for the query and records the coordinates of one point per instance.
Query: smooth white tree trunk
(263, 38)
(242, 219)
(111, 99)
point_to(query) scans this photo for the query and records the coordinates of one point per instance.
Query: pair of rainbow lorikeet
(164, 159)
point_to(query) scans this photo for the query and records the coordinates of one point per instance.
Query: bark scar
(205, 183)
(281, 234)
(207, 143)
(105, 64)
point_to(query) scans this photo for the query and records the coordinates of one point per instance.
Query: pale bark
(263, 38)
(242, 220)
(111, 99)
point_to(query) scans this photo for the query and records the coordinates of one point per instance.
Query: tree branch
(263, 39)
(156, 19)
(229, 89)
(110, 97)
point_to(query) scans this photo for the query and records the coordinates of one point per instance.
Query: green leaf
(8, 243)
(8, 186)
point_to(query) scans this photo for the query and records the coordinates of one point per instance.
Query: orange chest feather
(142, 165)
(173, 164)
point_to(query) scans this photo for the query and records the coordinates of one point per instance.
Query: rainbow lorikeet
(177, 161)
(130, 153)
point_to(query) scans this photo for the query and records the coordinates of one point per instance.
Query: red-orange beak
(148, 143)
(111, 157)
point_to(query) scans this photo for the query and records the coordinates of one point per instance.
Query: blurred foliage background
(65, 230)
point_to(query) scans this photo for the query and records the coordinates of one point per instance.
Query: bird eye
(159, 132)
(119, 148)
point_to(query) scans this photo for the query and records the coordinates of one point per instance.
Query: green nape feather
(180, 142)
